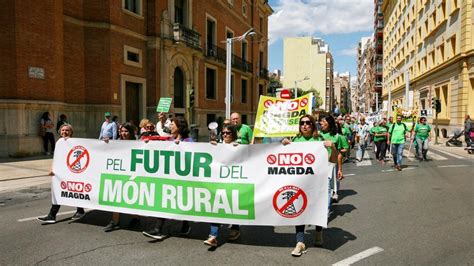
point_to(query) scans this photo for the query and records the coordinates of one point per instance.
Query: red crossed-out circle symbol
(268, 103)
(271, 159)
(78, 159)
(309, 158)
(63, 185)
(304, 102)
(88, 187)
(290, 201)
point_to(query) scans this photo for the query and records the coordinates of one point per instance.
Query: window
(211, 83)
(179, 9)
(244, 9)
(210, 118)
(132, 56)
(260, 89)
(179, 88)
(453, 45)
(441, 52)
(244, 119)
(261, 24)
(134, 6)
(243, 93)
(211, 37)
(244, 50)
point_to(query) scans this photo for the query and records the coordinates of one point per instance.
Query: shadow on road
(250, 235)
(342, 193)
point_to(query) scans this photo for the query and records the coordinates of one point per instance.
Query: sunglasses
(226, 133)
(307, 122)
(150, 127)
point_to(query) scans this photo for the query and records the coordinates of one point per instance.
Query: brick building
(85, 57)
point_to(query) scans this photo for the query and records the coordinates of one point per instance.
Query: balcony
(263, 73)
(219, 54)
(187, 36)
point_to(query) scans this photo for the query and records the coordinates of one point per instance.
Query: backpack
(393, 126)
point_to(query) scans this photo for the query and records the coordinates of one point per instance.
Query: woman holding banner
(329, 131)
(127, 132)
(65, 131)
(179, 132)
(229, 136)
(308, 133)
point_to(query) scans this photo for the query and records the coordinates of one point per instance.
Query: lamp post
(296, 85)
(228, 66)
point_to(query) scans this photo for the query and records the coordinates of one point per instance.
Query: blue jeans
(397, 151)
(361, 147)
(422, 147)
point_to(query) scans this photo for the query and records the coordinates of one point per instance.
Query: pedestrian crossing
(408, 155)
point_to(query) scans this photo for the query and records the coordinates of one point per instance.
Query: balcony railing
(219, 54)
(263, 73)
(188, 36)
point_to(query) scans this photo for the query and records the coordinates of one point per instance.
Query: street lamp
(228, 66)
(296, 85)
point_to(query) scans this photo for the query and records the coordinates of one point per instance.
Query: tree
(273, 85)
(318, 100)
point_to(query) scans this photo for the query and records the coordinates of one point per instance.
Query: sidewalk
(25, 173)
(459, 151)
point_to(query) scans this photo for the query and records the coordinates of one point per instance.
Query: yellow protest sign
(279, 117)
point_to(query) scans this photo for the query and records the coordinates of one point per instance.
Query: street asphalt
(423, 215)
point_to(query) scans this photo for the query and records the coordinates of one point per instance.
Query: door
(132, 107)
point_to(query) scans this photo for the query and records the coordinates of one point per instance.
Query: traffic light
(433, 102)
(438, 106)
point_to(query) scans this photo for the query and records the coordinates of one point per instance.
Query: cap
(107, 114)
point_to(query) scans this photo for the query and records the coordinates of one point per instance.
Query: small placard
(36, 72)
(164, 105)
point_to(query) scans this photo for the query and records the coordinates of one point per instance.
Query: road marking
(349, 174)
(452, 165)
(365, 160)
(35, 217)
(450, 154)
(389, 170)
(359, 256)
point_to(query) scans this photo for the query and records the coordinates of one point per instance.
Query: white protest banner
(267, 184)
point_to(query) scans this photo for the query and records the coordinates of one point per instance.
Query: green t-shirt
(397, 133)
(422, 131)
(346, 130)
(244, 135)
(303, 139)
(339, 140)
(389, 125)
(379, 130)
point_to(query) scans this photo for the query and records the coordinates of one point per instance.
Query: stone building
(84, 57)
(430, 45)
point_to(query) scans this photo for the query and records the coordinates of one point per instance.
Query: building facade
(307, 62)
(364, 75)
(342, 91)
(83, 58)
(377, 64)
(429, 43)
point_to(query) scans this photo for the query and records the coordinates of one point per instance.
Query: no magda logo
(78, 159)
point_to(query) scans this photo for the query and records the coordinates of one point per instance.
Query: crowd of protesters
(340, 135)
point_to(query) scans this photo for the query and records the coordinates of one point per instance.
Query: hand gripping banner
(262, 184)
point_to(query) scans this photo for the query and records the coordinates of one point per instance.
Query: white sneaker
(335, 197)
(299, 249)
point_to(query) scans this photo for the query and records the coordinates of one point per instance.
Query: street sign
(164, 105)
(285, 94)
